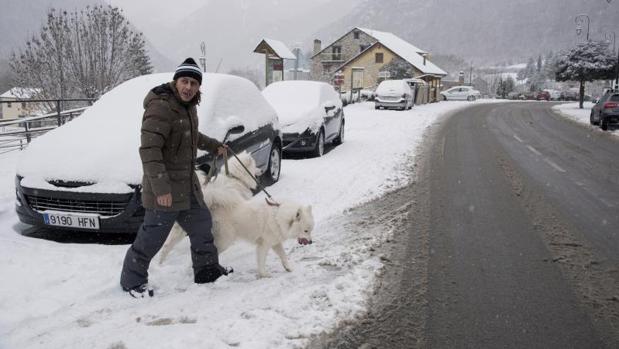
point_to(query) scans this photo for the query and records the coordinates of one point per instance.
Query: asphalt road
(511, 239)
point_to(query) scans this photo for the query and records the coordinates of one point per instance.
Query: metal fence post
(27, 128)
(58, 111)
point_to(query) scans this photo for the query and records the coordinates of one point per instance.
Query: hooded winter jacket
(169, 143)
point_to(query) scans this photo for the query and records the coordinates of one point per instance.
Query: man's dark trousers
(196, 221)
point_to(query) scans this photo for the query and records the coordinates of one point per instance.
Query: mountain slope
(481, 30)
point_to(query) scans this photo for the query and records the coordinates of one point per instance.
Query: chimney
(317, 46)
(425, 56)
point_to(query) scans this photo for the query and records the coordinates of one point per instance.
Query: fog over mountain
(231, 29)
(484, 31)
(480, 31)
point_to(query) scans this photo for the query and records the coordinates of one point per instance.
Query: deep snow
(59, 295)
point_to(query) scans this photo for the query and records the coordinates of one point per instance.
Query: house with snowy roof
(275, 52)
(13, 105)
(357, 61)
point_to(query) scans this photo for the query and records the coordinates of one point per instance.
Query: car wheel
(340, 136)
(271, 175)
(444, 98)
(319, 149)
(376, 107)
(592, 120)
(603, 123)
(470, 98)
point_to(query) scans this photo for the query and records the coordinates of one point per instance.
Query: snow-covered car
(393, 94)
(87, 174)
(310, 114)
(461, 93)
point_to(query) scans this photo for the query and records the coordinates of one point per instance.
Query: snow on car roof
(385, 86)
(299, 102)
(102, 144)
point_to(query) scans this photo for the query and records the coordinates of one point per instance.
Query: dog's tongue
(303, 241)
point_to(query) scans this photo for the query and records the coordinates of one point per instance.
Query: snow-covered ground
(572, 111)
(55, 295)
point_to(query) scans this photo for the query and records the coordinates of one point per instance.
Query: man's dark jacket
(169, 143)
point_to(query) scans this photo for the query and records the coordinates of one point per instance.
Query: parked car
(86, 175)
(569, 95)
(513, 95)
(527, 96)
(554, 95)
(310, 113)
(461, 93)
(542, 96)
(394, 94)
(606, 111)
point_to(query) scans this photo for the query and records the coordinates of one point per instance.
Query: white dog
(236, 216)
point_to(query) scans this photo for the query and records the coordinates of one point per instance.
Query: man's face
(187, 88)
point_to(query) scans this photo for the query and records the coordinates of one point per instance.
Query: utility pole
(617, 73)
(297, 50)
(203, 57)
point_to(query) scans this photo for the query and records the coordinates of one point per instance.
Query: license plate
(73, 220)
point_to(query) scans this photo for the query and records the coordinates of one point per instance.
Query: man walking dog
(170, 188)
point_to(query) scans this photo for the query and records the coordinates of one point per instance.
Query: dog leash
(269, 199)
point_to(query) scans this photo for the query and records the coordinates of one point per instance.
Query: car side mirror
(330, 110)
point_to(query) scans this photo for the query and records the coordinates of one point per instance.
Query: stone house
(13, 107)
(357, 60)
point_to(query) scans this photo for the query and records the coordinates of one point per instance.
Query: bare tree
(81, 54)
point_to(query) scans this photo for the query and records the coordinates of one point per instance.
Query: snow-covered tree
(398, 69)
(505, 86)
(528, 71)
(81, 54)
(588, 61)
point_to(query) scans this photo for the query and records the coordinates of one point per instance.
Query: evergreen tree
(588, 61)
(539, 64)
(398, 69)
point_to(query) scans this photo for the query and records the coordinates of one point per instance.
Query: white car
(310, 114)
(86, 175)
(461, 93)
(394, 94)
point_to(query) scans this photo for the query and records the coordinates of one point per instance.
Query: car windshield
(614, 98)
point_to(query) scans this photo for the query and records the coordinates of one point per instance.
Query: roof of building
(20, 93)
(408, 52)
(276, 47)
(400, 47)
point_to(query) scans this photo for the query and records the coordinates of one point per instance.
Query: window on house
(337, 53)
(378, 57)
(23, 105)
(356, 35)
(8, 105)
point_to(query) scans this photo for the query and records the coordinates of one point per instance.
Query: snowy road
(510, 241)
